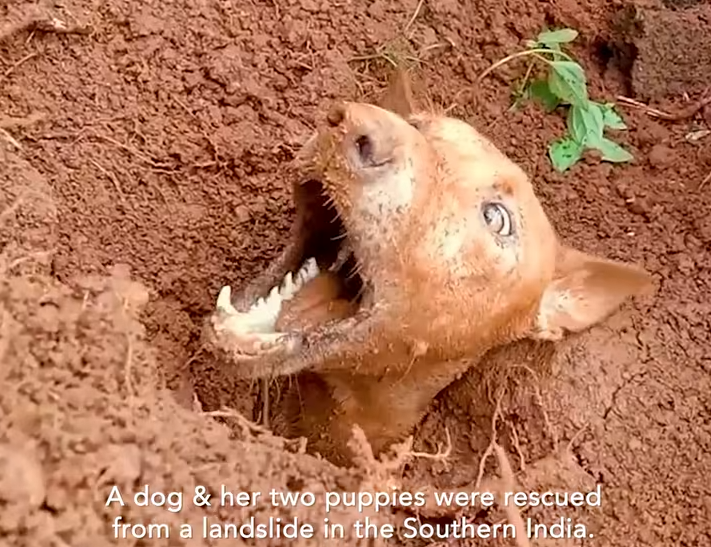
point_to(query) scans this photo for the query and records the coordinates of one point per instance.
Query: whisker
(360, 292)
(354, 271)
(339, 236)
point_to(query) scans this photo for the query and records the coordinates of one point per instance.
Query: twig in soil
(703, 182)
(113, 180)
(44, 23)
(414, 16)
(9, 138)
(18, 63)
(683, 114)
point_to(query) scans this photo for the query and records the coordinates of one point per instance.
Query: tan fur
(444, 288)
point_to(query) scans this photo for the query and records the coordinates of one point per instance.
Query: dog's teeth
(273, 295)
(288, 288)
(258, 305)
(224, 300)
(263, 314)
(311, 269)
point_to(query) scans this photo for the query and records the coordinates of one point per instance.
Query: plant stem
(525, 78)
(535, 52)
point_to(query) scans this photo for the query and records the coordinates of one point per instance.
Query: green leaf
(555, 37)
(585, 123)
(540, 91)
(611, 118)
(565, 153)
(566, 79)
(612, 152)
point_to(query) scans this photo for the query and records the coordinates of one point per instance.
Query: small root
(489, 449)
(509, 485)
(683, 114)
(112, 178)
(17, 64)
(440, 455)
(265, 402)
(248, 428)
(539, 399)
(380, 472)
(517, 444)
(414, 16)
(11, 123)
(9, 138)
(571, 443)
(136, 153)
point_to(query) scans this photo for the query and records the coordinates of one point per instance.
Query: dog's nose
(336, 114)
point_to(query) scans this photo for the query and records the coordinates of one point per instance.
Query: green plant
(565, 85)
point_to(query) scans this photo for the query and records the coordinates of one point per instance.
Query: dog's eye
(498, 219)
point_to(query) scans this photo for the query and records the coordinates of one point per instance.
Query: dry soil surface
(140, 171)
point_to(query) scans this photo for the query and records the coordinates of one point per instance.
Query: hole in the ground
(619, 56)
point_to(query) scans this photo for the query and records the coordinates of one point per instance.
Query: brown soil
(154, 139)
(673, 52)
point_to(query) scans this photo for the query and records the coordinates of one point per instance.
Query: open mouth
(319, 246)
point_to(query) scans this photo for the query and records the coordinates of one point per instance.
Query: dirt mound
(673, 52)
(154, 138)
(83, 408)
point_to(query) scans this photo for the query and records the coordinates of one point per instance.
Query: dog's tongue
(315, 304)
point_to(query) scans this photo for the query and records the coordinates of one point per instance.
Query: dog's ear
(585, 290)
